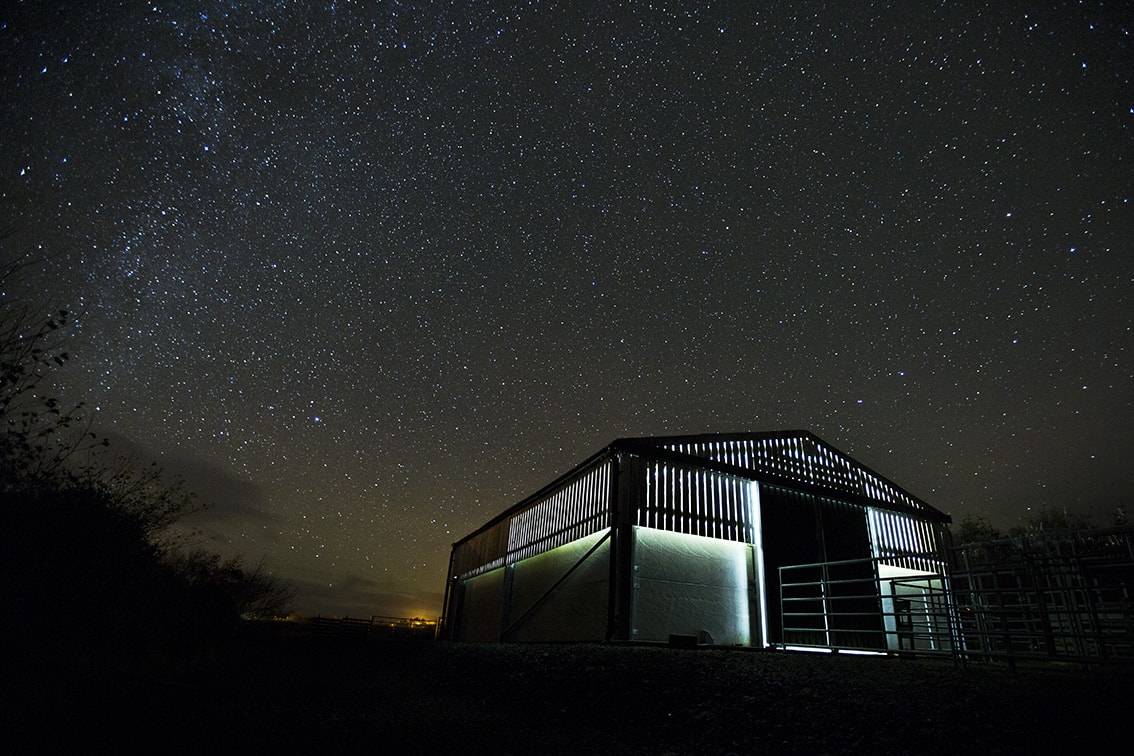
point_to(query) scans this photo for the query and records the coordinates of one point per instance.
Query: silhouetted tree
(1050, 519)
(252, 593)
(974, 529)
(34, 441)
(81, 533)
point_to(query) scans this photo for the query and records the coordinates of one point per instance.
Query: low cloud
(356, 596)
(224, 501)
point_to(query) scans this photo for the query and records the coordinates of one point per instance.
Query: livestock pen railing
(1066, 599)
(1035, 604)
(845, 605)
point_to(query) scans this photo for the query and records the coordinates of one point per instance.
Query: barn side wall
(572, 610)
(558, 595)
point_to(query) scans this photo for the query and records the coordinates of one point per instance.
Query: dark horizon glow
(367, 277)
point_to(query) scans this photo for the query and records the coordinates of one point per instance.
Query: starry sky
(368, 273)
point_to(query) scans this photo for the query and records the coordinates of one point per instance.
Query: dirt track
(300, 695)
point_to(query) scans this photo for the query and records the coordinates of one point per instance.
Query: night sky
(369, 273)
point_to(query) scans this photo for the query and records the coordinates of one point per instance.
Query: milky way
(369, 275)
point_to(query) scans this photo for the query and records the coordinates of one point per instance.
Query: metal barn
(750, 539)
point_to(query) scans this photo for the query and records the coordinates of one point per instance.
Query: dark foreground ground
(265, 693)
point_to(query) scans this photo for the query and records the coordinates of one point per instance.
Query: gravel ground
(299, 695)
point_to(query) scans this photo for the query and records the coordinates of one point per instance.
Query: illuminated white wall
(690, 585)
